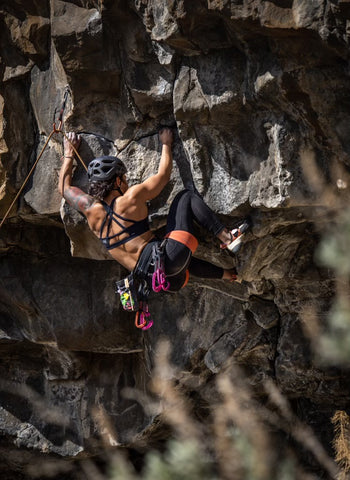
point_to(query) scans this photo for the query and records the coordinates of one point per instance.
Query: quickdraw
(60, 116)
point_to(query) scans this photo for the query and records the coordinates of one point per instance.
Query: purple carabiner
(146, 315)
(160, 278)
(165, 285)
(155, 287)
(149, 325)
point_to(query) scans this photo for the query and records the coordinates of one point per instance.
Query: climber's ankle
(230, 274)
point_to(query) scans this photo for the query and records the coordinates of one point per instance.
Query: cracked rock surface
(262, 129)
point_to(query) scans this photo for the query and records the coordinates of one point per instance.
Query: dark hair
(100, 190)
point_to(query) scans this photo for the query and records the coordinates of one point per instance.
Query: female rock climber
(118, 215)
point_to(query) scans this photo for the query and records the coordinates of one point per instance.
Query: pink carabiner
(147, 315)
(149, 325)
(165, 285)
(155, 287)
(160, 278)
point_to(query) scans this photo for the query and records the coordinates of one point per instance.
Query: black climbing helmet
(105, 168)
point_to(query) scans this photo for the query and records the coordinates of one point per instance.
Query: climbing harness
(186, 238)
(55, 130)
(147, 275)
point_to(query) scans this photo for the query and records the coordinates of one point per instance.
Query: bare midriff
(128, 254)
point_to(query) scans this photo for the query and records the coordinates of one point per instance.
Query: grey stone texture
(258, 95)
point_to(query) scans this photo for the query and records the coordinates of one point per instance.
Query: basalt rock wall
(258, 94)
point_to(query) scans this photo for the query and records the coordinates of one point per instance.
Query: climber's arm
(78, 199)
(152, 187)
(73, 195)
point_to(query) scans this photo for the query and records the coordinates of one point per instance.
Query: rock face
(259, 93)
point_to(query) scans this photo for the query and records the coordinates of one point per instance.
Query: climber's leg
(202, 269)
(187, 207)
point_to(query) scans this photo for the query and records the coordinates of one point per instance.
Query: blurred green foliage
(334, 249)
(334, 253)
(182, 460)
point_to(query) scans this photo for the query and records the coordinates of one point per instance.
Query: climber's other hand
(166, 136)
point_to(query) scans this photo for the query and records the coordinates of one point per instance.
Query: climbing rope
(55, 130)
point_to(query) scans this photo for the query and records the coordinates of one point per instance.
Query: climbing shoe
(237, 236)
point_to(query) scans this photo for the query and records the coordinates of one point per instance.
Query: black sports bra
(137, 228)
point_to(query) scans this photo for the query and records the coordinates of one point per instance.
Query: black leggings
(186, 208)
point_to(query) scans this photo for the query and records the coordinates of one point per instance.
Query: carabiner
(140, 314)
(159, 281)
(155, 287)
(60, 116)
(165, 285)
(146, 316)
(149, 325)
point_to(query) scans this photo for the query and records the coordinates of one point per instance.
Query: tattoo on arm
(78, 199)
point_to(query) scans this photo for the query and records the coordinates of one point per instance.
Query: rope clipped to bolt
(55, 130)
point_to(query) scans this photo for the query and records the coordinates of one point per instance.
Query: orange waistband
(186, 279)
(185, 238)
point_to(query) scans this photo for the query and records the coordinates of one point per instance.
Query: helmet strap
(118, 189)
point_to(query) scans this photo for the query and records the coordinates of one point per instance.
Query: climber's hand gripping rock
(166, 136)
(71, 141)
